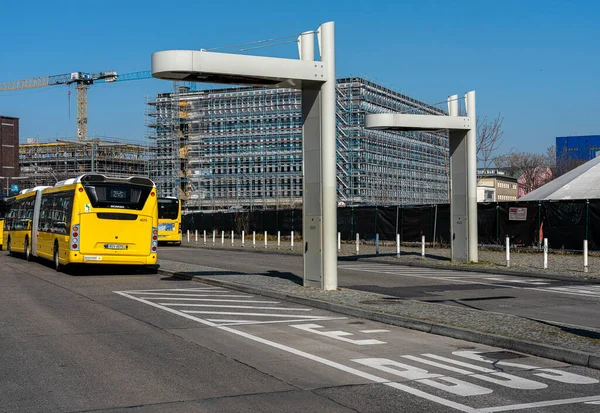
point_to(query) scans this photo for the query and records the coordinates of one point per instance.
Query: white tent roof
(582, 182)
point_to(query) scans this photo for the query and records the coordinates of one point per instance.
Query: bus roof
(28, 190)
(97, 178)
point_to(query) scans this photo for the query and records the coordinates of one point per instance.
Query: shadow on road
(581, 332)
(285, 276)
(402, 254)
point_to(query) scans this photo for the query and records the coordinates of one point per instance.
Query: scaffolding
(45, 163)
(241, 148)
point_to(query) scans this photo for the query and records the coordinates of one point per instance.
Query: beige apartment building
(503, 186)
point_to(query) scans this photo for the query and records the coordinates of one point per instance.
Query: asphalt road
(101, 340)
(571, 303)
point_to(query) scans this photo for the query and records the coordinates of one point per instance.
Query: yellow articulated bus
(3, 212)
(90, 219)
(18, 222)
(169, 220)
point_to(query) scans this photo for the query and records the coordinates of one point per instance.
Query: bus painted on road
(169, 220)
(90, 219)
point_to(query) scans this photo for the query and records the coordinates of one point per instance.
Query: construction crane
(82, 82)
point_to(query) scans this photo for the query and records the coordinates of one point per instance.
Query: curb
(541, 350)
(349, 258)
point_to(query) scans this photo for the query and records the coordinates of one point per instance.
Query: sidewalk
(559, 342)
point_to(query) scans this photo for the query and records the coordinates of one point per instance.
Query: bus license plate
(114, 246)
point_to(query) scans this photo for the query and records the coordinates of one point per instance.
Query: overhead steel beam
(237, 69)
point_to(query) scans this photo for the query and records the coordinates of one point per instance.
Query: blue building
(572, 151)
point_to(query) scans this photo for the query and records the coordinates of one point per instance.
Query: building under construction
(242, 148)
(50, 162)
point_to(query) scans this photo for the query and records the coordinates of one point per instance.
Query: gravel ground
(567, 266)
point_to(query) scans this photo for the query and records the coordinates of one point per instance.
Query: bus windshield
(168, 208)
(116, 195)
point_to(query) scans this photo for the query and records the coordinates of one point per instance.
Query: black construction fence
(565, 223)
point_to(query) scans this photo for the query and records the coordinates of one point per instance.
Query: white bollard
(292, 241)
(214, 235)
(545, 253)
(232, 235)
(278, 239)
(222, 238)
(243, 236)
(188, 236)
(377, 244)
(422, 245)
(265, 239)
(585, 255)
(507, 252)
(204, 237)
(339, 241)
(253, 239)
(357, 243)
(397, 245)
(196, 239)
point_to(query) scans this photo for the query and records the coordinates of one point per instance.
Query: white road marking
(587, 400)
(367, 376)
(213, 300)
(374, 331)
(235, 306)
(179, 289)
(438, 381)
(533, 281)
(356, 372)
(225, 322)
(505, 379)
(337, 335)
(550, 374)
(195, 295)
(308, 317)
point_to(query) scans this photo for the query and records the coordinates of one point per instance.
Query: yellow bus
(95, 219)
(18, 222)
(3, 211)
(169, 220)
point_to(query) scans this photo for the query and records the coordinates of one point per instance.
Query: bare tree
(532, 169)
(489, 139)
(565, 162)
(551, 159)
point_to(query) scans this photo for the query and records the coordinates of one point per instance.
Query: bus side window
(44, 215)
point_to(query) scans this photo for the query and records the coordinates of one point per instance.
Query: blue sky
(535, 62)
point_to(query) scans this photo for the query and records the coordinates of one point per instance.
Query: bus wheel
(27, 250)
(8, 247)
(56, 262)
